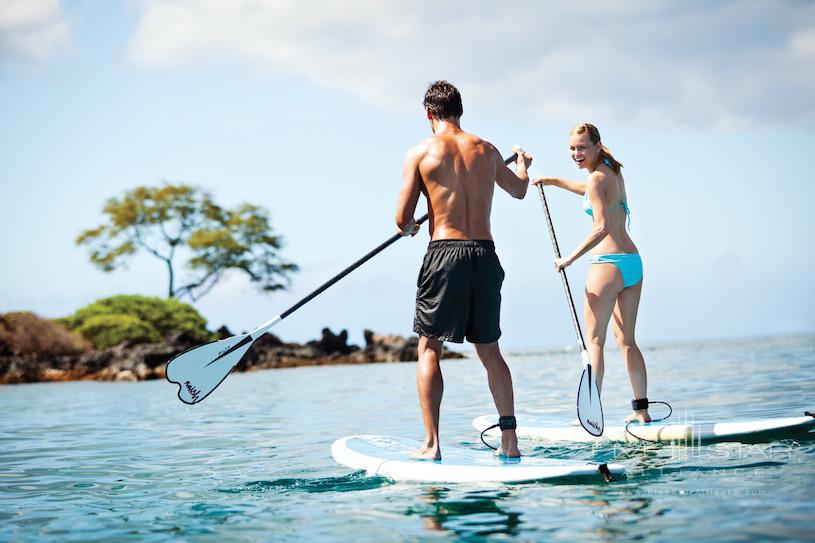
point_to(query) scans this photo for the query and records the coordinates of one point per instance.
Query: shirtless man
(459, 286)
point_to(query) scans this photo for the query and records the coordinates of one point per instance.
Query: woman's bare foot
(639, 416)
(427, 453)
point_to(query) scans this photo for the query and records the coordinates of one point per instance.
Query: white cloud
(32, 29)
(724, 63)
(802, 44)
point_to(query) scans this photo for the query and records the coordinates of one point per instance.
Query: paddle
(589, 408)
(199, 371)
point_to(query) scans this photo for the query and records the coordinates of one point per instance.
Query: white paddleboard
(689, 432)
(390, 457)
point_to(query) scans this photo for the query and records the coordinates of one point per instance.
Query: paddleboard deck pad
(389, 457)
(683, 432)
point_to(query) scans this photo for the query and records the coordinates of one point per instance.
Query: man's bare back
(456, 171)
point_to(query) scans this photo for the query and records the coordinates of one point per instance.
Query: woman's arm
(578, 187)
(599, 229)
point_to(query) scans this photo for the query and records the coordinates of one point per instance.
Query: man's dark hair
(443, 100)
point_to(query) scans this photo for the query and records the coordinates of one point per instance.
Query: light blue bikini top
(623, 204)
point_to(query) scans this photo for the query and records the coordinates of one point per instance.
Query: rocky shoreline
(144, 361)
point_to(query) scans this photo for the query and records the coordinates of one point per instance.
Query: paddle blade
(199, 371)
(589, 408)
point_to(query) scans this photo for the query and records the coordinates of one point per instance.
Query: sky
(308, 110)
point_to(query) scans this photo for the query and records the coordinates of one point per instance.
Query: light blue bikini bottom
(629, 264)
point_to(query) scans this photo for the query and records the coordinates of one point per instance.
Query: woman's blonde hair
(594, 136)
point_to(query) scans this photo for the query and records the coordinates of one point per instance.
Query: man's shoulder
(420, 149)
(440, 145)
(475, 139)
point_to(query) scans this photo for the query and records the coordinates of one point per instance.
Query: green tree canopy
(109, 321)
(173, 219)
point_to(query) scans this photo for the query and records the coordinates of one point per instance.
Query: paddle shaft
(346, 271)
(562, 271)
(361, 261)
(263, 328)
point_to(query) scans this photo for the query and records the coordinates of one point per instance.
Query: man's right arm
(514, 183)
(409, 195)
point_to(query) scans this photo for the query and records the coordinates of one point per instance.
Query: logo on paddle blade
(194, 392)
(593, 424)
(221, 353)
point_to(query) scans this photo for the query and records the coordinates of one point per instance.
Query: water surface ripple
(90, 461)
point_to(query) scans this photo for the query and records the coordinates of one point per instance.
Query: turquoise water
(128, 462)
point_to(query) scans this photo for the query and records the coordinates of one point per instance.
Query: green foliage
(243, 241)
(109, 330)
(110, 321)
(162, 220)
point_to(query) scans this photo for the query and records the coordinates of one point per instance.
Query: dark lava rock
(140, 361)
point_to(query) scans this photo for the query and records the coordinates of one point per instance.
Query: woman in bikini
(614, 281)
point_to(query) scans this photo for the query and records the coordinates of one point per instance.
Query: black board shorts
(459, 292)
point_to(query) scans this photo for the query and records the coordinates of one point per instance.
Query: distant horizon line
(648, 345)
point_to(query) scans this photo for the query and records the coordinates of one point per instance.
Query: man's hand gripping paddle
(199, 371)
(589, 408)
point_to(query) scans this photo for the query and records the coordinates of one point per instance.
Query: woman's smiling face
(583, 151)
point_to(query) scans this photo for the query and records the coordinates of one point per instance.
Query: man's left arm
(514, 183)
(409, 195)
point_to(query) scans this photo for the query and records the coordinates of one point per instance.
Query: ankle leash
(504, 423)
(643, 403)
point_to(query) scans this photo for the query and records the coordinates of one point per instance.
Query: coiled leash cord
(504, 423)
(643, 403)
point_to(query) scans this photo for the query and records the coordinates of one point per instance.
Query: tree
(173, 219)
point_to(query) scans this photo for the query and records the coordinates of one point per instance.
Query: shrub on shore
(110, 330)
(25, 333)
(141, 319)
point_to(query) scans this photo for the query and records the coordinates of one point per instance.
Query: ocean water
(91, 461)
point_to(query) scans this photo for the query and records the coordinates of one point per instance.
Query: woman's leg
(625, 321)
(602, 285)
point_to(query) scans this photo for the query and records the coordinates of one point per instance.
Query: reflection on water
(474, 513)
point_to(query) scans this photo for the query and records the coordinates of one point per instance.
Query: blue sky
(309, 112)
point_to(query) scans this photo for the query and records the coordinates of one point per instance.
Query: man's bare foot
(639, 416)
(427, 453)
(509, 445)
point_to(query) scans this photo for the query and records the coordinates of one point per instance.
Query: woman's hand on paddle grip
(541, 180)
(562, 263)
